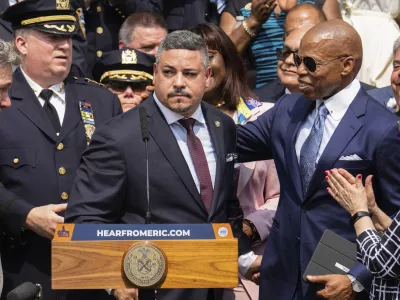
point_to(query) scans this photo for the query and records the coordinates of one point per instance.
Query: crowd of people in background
(312, 86)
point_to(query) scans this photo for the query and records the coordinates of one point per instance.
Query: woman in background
(258, 186)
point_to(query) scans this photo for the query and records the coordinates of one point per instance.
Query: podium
(99, 256)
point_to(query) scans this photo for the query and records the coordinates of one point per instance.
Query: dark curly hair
(235, 83)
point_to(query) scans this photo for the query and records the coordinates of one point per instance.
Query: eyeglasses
(282, 54)
(310, 62)
(119, 87)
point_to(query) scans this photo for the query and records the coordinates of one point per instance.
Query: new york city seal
(145, 265)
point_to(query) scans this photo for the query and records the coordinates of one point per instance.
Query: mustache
(179, 92)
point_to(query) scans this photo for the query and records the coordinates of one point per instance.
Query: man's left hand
(337, 287)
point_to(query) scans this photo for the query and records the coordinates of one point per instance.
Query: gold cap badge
(62, 4)
(129, 57)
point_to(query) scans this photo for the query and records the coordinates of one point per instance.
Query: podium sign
(98, 256)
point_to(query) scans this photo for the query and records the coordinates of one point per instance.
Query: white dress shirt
(337, 106)
(57, 99)
(200, 130)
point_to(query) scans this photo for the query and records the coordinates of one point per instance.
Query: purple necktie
(200, 162)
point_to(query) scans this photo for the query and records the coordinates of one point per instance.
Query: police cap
(127, 64)
(52, 16)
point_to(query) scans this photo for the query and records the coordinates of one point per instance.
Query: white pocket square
(231, 157)
(351, 157)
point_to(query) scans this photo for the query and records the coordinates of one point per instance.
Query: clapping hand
(352, 197)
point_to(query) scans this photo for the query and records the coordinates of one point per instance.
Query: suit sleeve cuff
(363, 276)
(245, 262)
(15, 217)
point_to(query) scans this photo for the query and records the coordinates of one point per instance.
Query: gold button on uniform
(60, 146)
(99, 30)
(64, 196)
(99, 53)
(98, 8)
(62, 171)
(16, 160)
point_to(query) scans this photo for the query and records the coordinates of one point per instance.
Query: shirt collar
(172, 117)
(338, 104)
(287, 92)
(58, 89)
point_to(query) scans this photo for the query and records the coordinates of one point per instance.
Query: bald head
(335, 38)
(334, 55)
(303, 14)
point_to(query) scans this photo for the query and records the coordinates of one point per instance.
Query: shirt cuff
(245, 262)
(357, 287)
(109, 291)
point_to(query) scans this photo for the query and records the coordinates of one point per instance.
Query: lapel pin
(217, 124)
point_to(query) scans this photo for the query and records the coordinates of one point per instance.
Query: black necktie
(49, 109)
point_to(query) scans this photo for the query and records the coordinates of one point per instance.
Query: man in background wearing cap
(127, 73)
(43, 135)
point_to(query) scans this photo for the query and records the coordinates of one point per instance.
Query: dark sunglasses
(121, 86)
(310, 63)
(282, 54)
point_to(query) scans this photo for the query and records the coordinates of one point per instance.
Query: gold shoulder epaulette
(93, 81)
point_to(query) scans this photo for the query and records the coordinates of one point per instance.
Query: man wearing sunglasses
(127, 73)
(334, 124)
(306, 15)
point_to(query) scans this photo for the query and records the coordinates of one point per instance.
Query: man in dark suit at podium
(191, 159)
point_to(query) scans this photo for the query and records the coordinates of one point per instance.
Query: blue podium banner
(106, 232)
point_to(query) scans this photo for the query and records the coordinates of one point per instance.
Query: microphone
(25, 291)
(146, 137)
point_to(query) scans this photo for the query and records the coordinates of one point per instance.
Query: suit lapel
(72, 114)
(344, 133)
(217, 139)
(26, 102)
(166, 141)
(297, 114)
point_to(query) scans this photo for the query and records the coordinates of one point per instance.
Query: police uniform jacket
(103, 21)
(38, 167)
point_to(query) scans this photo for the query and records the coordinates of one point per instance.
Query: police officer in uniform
(127, 73)
(50, 123)
(103, 19)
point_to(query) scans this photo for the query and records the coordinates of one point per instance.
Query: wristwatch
(256, 236)
(357, 287)
(358, 215)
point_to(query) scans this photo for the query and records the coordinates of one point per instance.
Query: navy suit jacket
(34, 180)
(112, 177)
(383, 95)
(368, 130)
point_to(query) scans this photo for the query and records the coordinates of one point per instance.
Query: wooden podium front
(90, 256)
